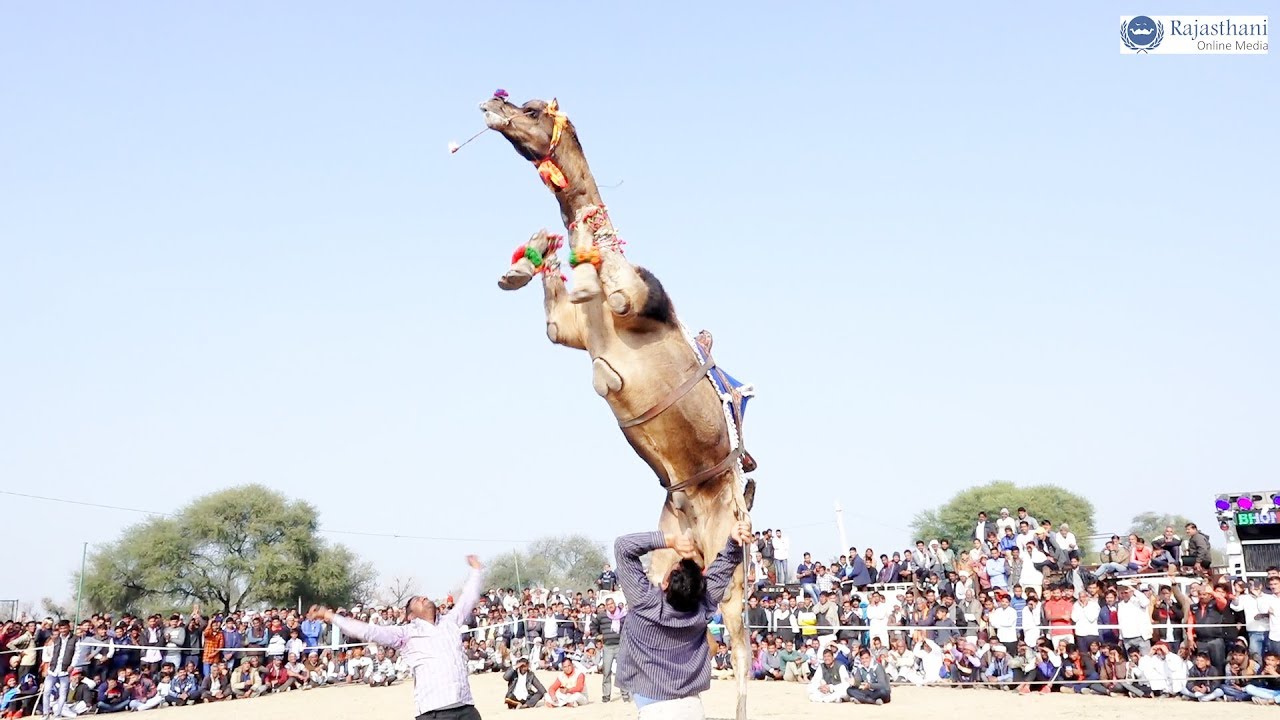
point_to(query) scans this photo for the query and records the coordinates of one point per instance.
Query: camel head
(529, 127)
(543, 135)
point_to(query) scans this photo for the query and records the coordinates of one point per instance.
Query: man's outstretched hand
(474, 562)
(320, 612)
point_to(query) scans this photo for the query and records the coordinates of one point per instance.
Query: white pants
(836, 695)
(562, 698)
(74, 710)
(689, 708)
(140, 705)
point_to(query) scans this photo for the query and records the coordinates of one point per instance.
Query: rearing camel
(680, 412)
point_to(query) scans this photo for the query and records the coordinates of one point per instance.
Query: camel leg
(664, 560)
(731, 608)
(624, 290)
(586, 278)
(522, 268)
(719, 514)
(565, 321)
(711, 519)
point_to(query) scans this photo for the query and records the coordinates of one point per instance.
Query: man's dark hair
(686, 586)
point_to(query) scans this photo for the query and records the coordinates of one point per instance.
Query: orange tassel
(551, 174)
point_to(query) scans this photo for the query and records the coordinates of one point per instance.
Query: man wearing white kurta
(830, 682)
(432, 646)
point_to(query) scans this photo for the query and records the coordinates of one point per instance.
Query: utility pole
(516, 554)
(844, 540)
(84, 552)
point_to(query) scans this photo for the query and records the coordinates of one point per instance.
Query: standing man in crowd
(608, 580)
(432, 647)
(60, 653)
(765, 546)
(782, 557)
(664, 659)
(609, 629)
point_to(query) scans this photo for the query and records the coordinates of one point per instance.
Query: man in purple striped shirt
(431, 645)
(664, 659)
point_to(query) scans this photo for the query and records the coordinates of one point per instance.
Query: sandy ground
(766, 700)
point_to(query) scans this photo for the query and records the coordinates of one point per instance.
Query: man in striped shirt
(664, 659)
(431, 645)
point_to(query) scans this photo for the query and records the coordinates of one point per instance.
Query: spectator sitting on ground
(383, 672)
(795, 666)
(248, 680)
(868, 684)
(722, 663)
(830, 681)
(524, 690)
(183, 689)
(277, 677)
(359, 665)
(297, 671)
(569, 689)
(216, 686)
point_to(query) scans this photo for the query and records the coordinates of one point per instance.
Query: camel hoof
(586, 284)
(518, 276)
(749, 493)
(578, 295)
(514, 279)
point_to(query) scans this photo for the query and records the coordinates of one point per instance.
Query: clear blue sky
(948, 245)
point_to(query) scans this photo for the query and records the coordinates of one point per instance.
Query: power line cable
(397, 536)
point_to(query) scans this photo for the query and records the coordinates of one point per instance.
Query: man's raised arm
(470, 594)
(631, 576)
(720, 572)
(392, 636)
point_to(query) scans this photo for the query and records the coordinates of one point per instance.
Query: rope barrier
(821, 630)
(1024, 628)
(947, 681)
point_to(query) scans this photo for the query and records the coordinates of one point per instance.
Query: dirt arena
(767, 700)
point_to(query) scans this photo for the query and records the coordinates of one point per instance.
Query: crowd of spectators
(107, 664)
(1019, 609)
(1022, 608)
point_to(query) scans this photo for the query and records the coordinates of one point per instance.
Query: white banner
(1193, 35)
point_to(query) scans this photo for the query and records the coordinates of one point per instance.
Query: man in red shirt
(1057, 610)
(277, 678)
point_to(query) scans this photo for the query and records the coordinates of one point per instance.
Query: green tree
(1151, 525)
(231, 549)
(571, 562)
(956, 518)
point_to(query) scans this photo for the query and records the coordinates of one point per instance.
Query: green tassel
(573, 257)
(533, 256)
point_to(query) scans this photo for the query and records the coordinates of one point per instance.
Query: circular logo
(1141, 33)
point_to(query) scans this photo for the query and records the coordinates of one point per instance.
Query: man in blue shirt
(312, 629)
(664, 657)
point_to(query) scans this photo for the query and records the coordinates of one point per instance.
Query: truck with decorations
(1251, 523)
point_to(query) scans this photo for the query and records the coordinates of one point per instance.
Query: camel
(679, 411)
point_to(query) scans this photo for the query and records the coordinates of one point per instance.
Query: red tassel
(517, 255)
